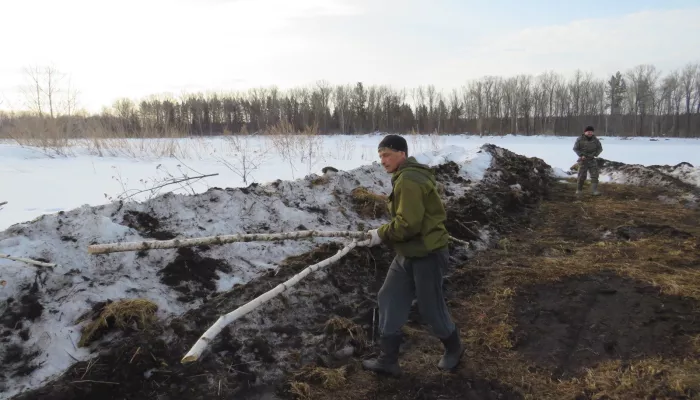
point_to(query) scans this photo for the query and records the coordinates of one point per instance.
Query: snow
(36, 184)
(80, 280)
(60, 194)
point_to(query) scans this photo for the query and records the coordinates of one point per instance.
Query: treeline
(638, 102)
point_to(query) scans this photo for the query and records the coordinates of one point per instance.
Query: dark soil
(147, 225)
(578, 322)
(496, 204)
(258, 354)
(193, 275)
(449, 172)
(640, 231)
(27, 308)
(525, 308)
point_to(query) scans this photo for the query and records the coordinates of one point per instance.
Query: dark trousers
(419, 278)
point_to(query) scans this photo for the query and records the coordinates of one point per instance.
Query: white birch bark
(219, 239)
(460, 241)
(27, 260)
(210, 334)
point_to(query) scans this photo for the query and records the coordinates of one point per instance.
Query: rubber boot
(388, 360)
(453, 351)
(594, 189)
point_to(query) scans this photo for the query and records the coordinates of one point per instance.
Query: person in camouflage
(418, 235)
(588, 147)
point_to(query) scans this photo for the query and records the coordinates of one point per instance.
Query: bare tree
(687, 81)
(51, 88)
(325, 91)
(342, 106)
(641, 94)
(475, 92)
(246, 159)
(33, 92)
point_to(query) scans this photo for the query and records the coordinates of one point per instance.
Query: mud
(579, 322)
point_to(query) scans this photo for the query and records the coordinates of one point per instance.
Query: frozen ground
(42, 306)
(35, 184)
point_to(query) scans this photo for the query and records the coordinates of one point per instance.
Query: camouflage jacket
(588, 147)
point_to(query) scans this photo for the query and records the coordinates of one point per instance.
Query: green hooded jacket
(417, 225)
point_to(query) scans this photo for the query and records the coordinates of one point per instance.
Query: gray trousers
(419, 278)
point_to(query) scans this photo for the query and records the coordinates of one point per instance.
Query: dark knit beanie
(589, 128)
(394, 142)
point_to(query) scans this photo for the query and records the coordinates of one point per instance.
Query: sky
(137, 48)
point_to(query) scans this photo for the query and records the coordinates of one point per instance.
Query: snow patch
(81, 280)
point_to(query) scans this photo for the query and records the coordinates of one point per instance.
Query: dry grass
(320, 180)
(563, 243)
(328, 378)
(369, 204)
(300, 390)
(340, 328)
(670, 264)
(122, 314)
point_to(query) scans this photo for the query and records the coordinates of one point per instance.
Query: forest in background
(641, 101)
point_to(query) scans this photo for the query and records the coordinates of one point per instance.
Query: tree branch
(219, 239)
(210, 334)
(172, 182)
(27, 260)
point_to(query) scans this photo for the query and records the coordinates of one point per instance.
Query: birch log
(460, 241)
(219, 239)
(27, 260)
(226, 319)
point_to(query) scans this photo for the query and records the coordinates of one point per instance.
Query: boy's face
(391, 159)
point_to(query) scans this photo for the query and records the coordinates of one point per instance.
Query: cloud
(665, 38)
(136, 48)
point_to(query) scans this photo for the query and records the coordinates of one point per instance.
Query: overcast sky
(134, 48)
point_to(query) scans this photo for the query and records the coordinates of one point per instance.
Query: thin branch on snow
(2, 203)
(173, 181)
(226, 319)
(219, 239)
(27, 260)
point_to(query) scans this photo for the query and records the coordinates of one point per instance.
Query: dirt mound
(147, 225)
(682, 177)
(328, 320)
(581, 321)
(505, 194)
(192, 275)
